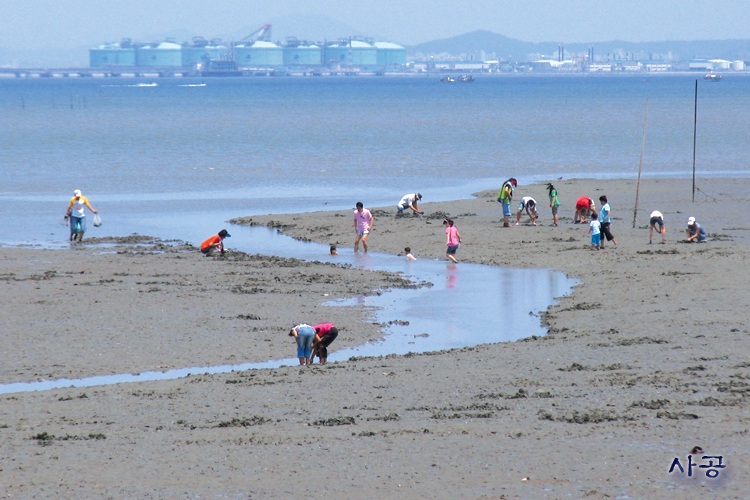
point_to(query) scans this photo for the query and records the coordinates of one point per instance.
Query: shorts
(554, 210)
(77, 225)
(506, 209)
(305, 338)
(362, 233)
(596, 239)
(657, 220)
(401, 208)
(606, 231)
(452, 249)
(325, 341)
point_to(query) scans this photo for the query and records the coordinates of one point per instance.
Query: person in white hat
(76, 215)
(695, 231)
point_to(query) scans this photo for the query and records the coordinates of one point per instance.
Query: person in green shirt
(553, 202)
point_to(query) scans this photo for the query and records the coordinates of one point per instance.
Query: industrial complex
(253, 53)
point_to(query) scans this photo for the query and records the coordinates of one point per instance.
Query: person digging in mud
(409, 201)
(528, 203)
(304, 334)
(325, 334)
(214, 242)
(657, 219)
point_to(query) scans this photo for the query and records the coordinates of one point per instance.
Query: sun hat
(691, 221)
(77, 192)
(224, 234)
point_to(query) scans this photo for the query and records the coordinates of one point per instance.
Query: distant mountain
(471, 44)
(476, 41)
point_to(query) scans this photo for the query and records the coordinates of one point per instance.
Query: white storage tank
(259, 53)
(738, 65)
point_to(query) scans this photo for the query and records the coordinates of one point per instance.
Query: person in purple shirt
(363, 222)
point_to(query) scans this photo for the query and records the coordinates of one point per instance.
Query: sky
(65, 24)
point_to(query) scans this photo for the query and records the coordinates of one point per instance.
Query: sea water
(250, 146)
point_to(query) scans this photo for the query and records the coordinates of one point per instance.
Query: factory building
(390, 54)
(350, 53)
(113, 54)
(254, 51)
(159, 55)
(258, 53)
(302, 53)
(202, 51)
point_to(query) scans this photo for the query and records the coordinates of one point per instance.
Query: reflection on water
(467, 304)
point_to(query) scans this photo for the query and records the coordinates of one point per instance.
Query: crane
(262, 33)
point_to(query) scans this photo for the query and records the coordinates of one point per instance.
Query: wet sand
(646, 359)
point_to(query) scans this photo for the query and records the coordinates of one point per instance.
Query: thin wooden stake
(640, 167)
(695, 133)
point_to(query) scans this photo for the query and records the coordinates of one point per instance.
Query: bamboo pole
(640, 166)
(695, 132)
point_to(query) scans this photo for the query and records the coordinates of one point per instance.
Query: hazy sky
(35, 24)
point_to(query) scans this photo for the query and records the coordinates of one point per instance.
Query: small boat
(448, 79)
(712, 77)
(466, 78)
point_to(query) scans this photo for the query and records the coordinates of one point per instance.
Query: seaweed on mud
(333, 421)
(575, 367)
(391, 417)
(677, 415)
(671, 251)
(518, 395)
(244, 422)
(712, 401)
(641, 340)
(46, 439)
(248, 316)
(654, 404)
(582, 306)
(589, 417)
(446, 416)
(489, 395)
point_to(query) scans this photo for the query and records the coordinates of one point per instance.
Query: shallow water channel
(467, 304)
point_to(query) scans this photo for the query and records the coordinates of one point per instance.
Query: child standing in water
(453, 240)
(409, 256)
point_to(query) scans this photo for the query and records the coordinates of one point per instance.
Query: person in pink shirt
(325, 333)
(363, 222)
(453, 239)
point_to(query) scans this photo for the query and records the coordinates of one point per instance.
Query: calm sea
(171, 158)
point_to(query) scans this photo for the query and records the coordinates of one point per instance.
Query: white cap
(691, 221)
(77, 192)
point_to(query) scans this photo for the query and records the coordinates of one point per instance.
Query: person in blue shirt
(605, 218)
(695, 231)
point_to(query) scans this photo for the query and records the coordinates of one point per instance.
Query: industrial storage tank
(302, 53)
(203, 51)
(738, 65)
(159, 55)
(258, 53)
(351, 53)
(113, 54)
(390, 54)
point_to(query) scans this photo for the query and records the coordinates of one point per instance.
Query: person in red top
(214, 242)
(584, 206)
(325, 333)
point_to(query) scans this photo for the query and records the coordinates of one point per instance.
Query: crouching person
(325, 334)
